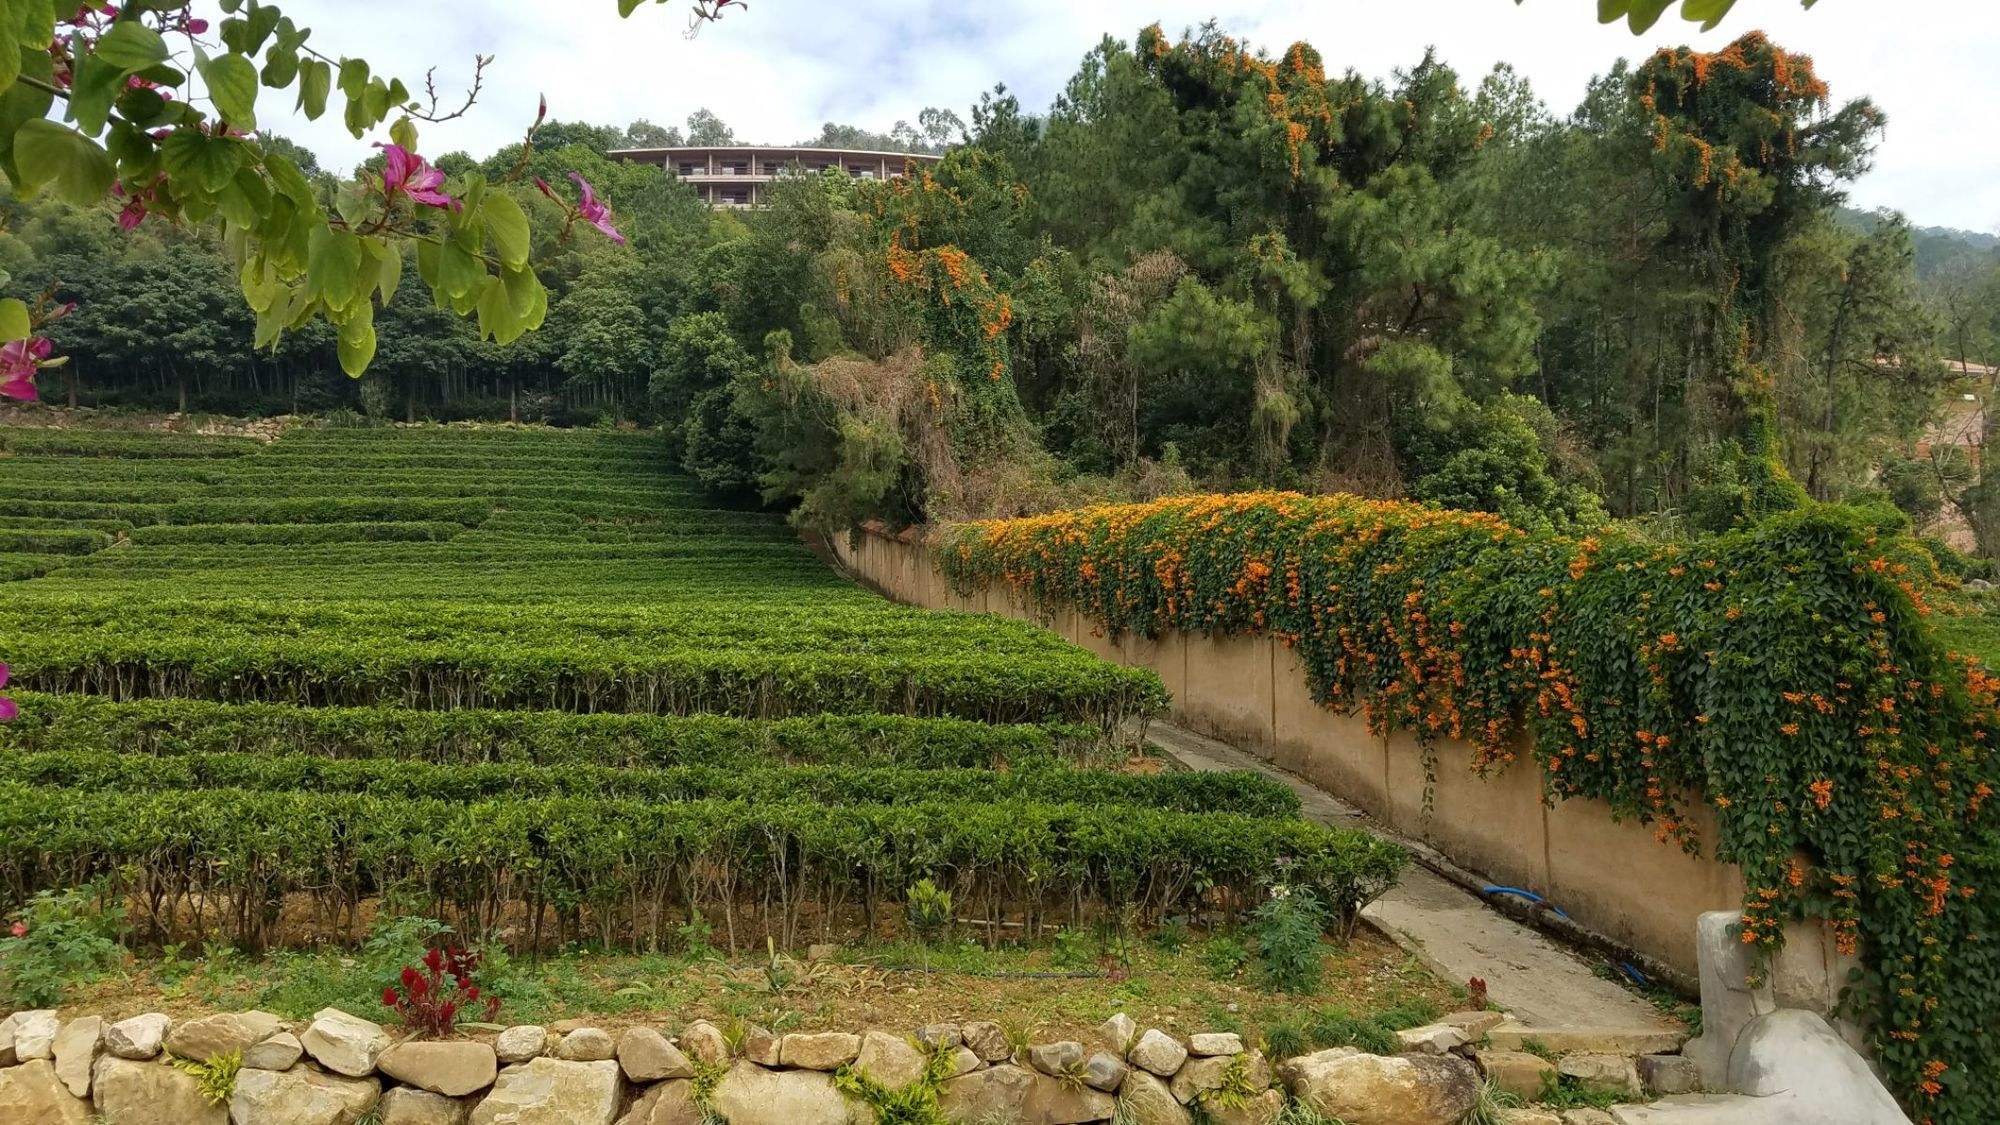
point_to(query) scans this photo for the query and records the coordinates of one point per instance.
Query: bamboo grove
(1784, 675)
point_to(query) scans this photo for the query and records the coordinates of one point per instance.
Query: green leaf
(1643, 14)
(199, 160)
(507, 225)
(357, 340)
(333, 263)
(281, 67)
(50, 154)
(404, 134)
(15, 324)
(232, 86)
(94, 84)
(35, 22)
(315, 83)
(131, 45)
(20, 103)
(1706, 12)
(10, 55)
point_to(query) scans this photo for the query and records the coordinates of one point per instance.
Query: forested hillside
(1205, 264)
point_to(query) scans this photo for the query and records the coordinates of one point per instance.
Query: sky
(779, 69)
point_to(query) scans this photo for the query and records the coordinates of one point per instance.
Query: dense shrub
(1785, 675)
(185, 726)
(217, 863)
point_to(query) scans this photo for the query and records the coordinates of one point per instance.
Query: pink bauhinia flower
(594, 210)
(406, 172)
(9, 710)
(19, 360)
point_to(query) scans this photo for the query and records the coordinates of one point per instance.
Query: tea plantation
(535, 684)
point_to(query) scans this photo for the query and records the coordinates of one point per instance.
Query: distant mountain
(1938, 248)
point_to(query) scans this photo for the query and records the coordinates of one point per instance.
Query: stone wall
(1610, 876)
(340, 1069)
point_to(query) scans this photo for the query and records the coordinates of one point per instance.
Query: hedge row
(14, 567)
(1786, 674)
(416, 531)
(122, 443)
(326, 510)
(52, 541)
(186, 726)
(224, 864)
(366, 671)
(1244, 792)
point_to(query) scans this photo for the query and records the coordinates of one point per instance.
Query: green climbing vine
(1783, 675)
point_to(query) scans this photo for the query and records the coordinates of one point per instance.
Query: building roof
(802, 149)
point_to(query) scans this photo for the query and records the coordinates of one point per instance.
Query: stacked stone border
(340, 1069)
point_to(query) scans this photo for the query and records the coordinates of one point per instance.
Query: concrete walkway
(1550, 994)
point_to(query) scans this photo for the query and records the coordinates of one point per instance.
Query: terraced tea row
(540, 683)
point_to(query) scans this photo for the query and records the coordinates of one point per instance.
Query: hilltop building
(735, 175)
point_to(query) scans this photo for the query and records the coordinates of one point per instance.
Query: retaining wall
(1610, 876)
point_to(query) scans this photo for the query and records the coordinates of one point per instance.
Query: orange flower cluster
(1783, 677)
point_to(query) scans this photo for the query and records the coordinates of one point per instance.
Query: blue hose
(1530, 896)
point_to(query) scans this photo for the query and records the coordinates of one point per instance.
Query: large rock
(345, 1044)
(752, 1095)
(404, 1106)
(1059, 1101)
(1516, 1072)
(1213, 1072)
(1669, 1074)
(1012, 1093)
(759, 1045)
(1433, 1039)
(587, 1044)
(1058, 1060)
(1115, 1035)
(547, 1091)
(1364, 1089)
(35, 1034)
(1259, 1109)
(1601, 1073)
(1474, 1024)
(222, 1034)
(945, 1035)
(1145, 1099)
(668, 1103)
(1158, 1052)
(646, 1056)
(988, 1040)
(519, 1044)
(1795, 1056)
(998, 1093)
(819, 1050)
(1205, 1043)
(76, 1048)
(139, 1037)
(1104, 1071)
(453, 1069)
(889, 1059)
(301, 1096)
(279, 1052)
(704, 1042)
(31, 1092)
(134, 1092)
(964, 1060)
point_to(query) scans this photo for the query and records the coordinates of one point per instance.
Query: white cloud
(778, 70)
